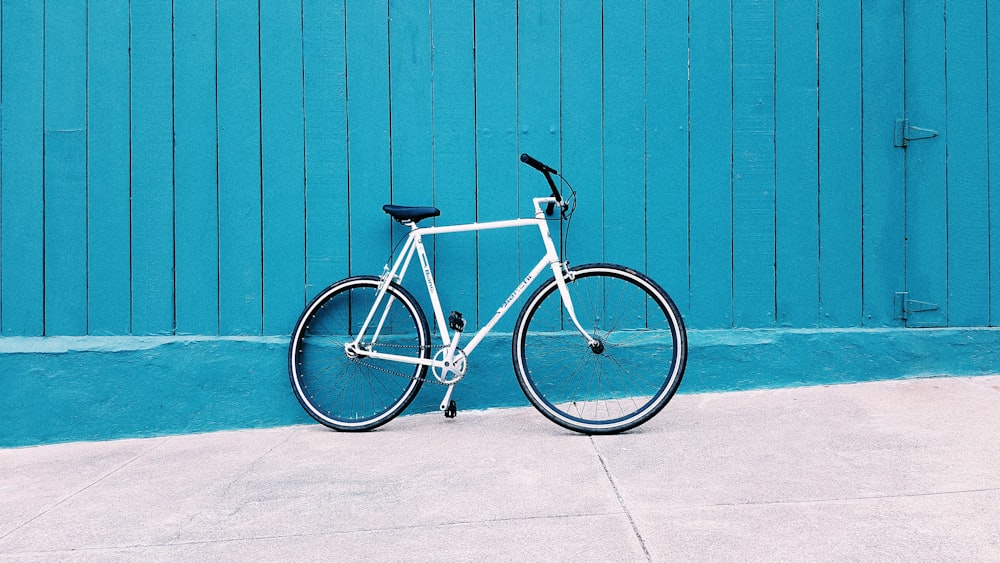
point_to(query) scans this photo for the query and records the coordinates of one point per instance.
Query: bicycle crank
(449, 371)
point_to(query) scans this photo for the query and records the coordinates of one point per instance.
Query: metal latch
(904, 306)
(906, 133)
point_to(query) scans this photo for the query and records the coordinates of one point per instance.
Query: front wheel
(625, 374)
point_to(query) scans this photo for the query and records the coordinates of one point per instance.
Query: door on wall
(943, 131)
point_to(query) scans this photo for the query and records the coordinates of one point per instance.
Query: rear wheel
(346, 389)
(627, 374)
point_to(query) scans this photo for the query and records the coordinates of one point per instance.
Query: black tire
(621, 383)
(356, 393)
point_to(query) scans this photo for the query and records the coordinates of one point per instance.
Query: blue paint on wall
(193, 174)
(96, 388)
(206, 171)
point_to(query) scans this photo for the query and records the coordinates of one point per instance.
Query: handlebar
(527, 159)
(548, 171)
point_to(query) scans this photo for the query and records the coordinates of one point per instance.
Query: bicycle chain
(403, 375)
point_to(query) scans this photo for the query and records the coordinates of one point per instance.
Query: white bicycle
(598, 348)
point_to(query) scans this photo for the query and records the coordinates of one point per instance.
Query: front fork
(564, 276)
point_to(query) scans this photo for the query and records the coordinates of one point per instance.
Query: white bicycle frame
(453, 369)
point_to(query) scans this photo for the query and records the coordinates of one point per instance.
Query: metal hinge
(904, 306)
(906, 133)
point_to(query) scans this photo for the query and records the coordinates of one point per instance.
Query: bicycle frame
(414, 245)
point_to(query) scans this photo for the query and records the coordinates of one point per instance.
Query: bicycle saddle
(403, 213)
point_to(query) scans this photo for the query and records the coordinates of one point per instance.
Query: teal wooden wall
(205, 167)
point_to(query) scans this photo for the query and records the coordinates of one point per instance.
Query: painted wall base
(60, 389)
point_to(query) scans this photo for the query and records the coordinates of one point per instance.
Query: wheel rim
(619, 382)
(344, 391)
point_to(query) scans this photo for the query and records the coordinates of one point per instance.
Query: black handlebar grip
(527, 159)
(548, 171)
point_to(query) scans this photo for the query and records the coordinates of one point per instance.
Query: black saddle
(406, 213)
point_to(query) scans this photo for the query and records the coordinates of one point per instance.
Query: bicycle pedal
(451, 411)
(456, 322)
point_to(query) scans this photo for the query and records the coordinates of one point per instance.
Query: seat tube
(432, 291)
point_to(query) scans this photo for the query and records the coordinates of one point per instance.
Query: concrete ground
(894, 470)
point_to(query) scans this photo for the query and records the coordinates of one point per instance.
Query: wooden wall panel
(453, 75)
(368, 135)
(883, 191)
(711, 165)
(993, 125)
(497, 167)
(325, 112)
(753, 164)
(840, 153)
(196, 199)
(205, 168)
(282, 164)
(152, 150)
(624, 134)
(538, 115)
(65, 178)
(796, 146)
(967, 164)
(667, 144)
(22, 238)
(109, 244)
(926, 174)
(238, 126)
(582, 127)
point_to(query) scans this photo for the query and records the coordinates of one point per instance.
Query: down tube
(507, 305)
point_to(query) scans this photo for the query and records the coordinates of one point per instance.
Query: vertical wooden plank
(497, 166)
(410, 102)
(152, 170)
(368, 133)
(753, 164)
(283, 158)
(65, 108)
(538, 87)
(326, 143)
(967, 167)
(21, 197)
(883, 173)
(581, 124)
(840, 162)
(926, 181)
(624, 134)
(240, 261)
(796, 165)
(993, 89)
(454, 140)
(108, 189)
(1, 162)
(667, 176)
(711, 104)
(195, 176)
(538, 110)
(411, 128)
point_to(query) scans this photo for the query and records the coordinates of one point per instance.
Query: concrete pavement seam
(621, 500)
(84, 488)
(849, 499)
